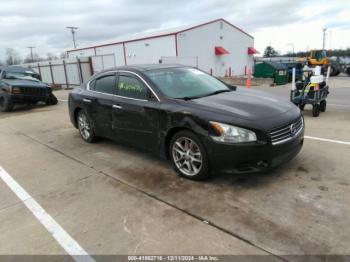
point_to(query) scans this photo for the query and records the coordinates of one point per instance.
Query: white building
(218, 47)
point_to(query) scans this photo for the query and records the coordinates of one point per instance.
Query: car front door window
(132, 87)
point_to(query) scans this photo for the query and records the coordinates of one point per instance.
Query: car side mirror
(232, 87)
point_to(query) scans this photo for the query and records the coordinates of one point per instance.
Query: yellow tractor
(318, 57)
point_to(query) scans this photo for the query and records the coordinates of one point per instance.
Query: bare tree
(51, 56)
(36, 58)
(28, 59)
(63, 55)
(12, 57)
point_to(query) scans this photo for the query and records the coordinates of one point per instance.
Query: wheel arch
(75, 115)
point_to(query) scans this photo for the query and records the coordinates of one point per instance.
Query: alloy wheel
(84, 126)
(187, 156)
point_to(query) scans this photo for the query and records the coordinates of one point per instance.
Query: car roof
(143, 67)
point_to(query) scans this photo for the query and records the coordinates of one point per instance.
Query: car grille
(33, 91)
(284, 133)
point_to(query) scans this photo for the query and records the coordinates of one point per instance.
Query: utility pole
(324, 38)
(31, 52)
(73, 29)
(292, 45)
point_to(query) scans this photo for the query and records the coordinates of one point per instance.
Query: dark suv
(20, 85)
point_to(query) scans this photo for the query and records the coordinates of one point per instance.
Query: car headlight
(231, 134)
(16, 90)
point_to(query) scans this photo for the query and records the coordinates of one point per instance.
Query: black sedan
(188, 116)
(21, 85)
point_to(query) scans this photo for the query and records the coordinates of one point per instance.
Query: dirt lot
(112, 199)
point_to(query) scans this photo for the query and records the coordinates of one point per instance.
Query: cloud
(43, 23)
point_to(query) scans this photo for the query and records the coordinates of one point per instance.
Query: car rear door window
(105, 84)
(132, 87)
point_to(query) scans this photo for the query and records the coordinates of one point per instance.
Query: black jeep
(20, 85)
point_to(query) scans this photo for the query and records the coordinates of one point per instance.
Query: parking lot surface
(113, 199)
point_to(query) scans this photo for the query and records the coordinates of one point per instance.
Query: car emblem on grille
(292, 129)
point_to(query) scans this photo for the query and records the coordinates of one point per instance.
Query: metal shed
(217, 47)
(268, 69)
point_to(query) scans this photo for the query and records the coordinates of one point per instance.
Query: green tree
(270, 51)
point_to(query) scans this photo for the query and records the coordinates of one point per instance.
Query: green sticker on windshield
(130, 87)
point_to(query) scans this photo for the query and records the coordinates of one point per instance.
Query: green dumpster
(267, 69)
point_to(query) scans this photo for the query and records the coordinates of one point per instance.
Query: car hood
(24, 83)
(245, 104)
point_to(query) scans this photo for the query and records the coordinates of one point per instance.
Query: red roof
(219, 50)
(252, 51)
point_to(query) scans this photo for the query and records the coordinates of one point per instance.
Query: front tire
(188, 156)
(6, 104)
(85, 127)
(323, 105)
(316, 109)
(52, 100)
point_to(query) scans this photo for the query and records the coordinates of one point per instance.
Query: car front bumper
(252, 157)
(27, 98)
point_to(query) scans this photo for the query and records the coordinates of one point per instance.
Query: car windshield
(185, 83)
(27, 75)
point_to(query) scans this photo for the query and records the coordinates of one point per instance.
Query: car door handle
(87, 100)
(117, 107)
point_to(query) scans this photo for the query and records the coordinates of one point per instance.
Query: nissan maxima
(184, 114)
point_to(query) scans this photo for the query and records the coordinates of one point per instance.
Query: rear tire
(302, 106)
(323, 105)
(6, 104)
(85, 127)
(52, 100)
(316, 109)
(348, 71)
(188, 156)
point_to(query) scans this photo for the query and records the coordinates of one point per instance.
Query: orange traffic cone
(249, 81)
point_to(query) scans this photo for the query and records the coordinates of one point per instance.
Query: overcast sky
(42, 23)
